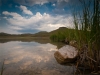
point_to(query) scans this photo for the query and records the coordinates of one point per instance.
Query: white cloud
(25, 10)
(53, 5)
(13, 14)
(41, 22)
(5, 12)
(9, 30)
(40, 1)
(15, 27)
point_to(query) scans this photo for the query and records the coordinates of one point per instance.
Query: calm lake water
(31, 58)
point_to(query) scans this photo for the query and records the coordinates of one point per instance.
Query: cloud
(11, 14)
(53, 5)
(9, 30)
(25, 10)
(15, 27)
(40, 22)
(32, 2)
(41, 2)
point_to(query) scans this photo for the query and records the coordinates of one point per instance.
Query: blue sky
(31, 16)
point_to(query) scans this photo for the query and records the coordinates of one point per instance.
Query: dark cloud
(60, 4)
(33, 2)
(63, 7)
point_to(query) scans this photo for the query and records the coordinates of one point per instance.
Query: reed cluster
(86, 33)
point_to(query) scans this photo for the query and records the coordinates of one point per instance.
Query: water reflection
(31, 58)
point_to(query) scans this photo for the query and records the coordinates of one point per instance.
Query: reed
(88, 23)
(86, 33)
(2, 68)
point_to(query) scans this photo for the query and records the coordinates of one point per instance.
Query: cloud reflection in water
(30, 56)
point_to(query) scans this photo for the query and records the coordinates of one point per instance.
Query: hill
(61, 34)
(61, 30)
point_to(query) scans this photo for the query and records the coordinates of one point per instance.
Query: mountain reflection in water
(31, 58)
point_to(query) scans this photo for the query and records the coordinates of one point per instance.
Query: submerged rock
(66, 54)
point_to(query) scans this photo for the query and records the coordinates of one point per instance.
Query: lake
(31, 58)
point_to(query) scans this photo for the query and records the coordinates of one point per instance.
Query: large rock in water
(66, 54)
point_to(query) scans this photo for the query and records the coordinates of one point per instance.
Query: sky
(32, 16)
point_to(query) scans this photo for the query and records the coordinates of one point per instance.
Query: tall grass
(86, 33)
(2, 68)
(58, 36)
(89, 23)
(61, 34)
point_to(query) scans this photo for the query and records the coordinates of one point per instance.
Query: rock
(66, 54)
